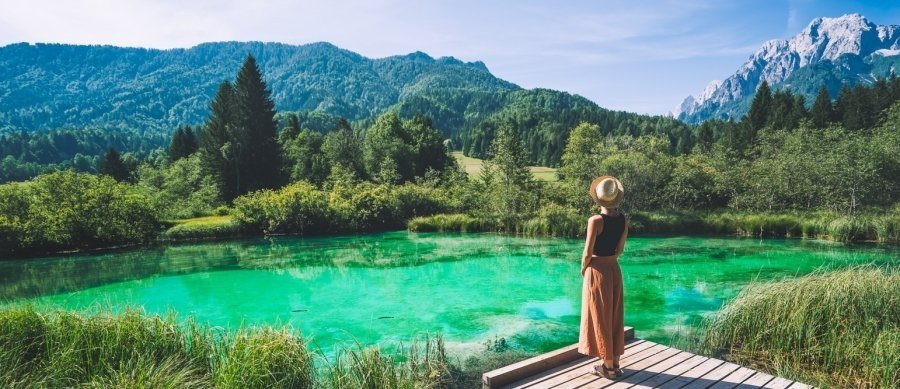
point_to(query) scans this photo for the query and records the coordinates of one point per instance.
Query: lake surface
(390, 287)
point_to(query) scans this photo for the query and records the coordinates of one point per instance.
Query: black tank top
(607, 241)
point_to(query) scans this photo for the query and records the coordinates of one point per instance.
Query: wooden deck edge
(511, 373)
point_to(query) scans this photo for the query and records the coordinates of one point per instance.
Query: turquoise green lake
(390, 287)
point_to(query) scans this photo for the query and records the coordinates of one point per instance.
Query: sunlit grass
(472, 167)
(837, 329)
(133, 349)
(202, 227)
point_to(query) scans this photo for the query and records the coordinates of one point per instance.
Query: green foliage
(180, 189)
(298, 207)
(343, 149)
(203, 228)
(448, 223)
(346, 207)
(303, 156)
(68, 210)
(27, 155)
(826, 322)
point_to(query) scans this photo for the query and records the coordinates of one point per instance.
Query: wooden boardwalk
(646, 365)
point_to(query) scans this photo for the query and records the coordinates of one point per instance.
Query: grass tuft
(837, 329)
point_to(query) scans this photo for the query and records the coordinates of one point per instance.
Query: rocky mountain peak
(823, 39)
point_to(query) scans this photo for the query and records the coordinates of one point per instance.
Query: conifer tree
(183, 144)
(260, 158)
(760, 108)
(822, 111)
(113, 166)
(218, 146)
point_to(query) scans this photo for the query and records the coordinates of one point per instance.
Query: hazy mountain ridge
(834, 51)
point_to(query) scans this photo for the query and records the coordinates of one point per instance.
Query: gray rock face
(824, 39)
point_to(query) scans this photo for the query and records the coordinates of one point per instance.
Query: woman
(602, 332)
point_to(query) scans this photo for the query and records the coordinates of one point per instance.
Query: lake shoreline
(785, 226)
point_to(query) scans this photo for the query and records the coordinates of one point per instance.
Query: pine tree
(113, 166)
(822, 111)
(183, 144)
(705, 136)
(219, 150)
(841, 105)
(760, 109)
(260, 159)
(190, 142)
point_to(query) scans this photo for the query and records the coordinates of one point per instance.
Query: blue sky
(639, 56)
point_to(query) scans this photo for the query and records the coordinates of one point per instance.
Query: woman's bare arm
(621, 245)
(594, 227)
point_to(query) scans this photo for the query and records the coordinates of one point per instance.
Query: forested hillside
(145, 94)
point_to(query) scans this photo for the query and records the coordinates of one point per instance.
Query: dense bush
(346, 207)
(297, 207)
(67, 210)
(180, 189)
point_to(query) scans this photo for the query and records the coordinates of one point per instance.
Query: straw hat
(607, 191)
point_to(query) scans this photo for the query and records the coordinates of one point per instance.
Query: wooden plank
(734, 379)
(630, 347)
(712, 377)
(534, 365)
(671, 373)
(650, 371)
(779, 383)
(696, 371)
(799, 385)
(756, 381)
(593, 381)
(586, 369)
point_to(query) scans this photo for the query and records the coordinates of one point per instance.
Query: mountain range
(149, 91)
(846, 50)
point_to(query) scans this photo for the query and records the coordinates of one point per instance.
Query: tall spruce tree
(260, 159)
(760, 107)
(183, 143)
(821, 112)
(219, 148)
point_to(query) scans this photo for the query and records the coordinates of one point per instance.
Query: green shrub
(835, 329)
(68, 210)
(297, 208)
